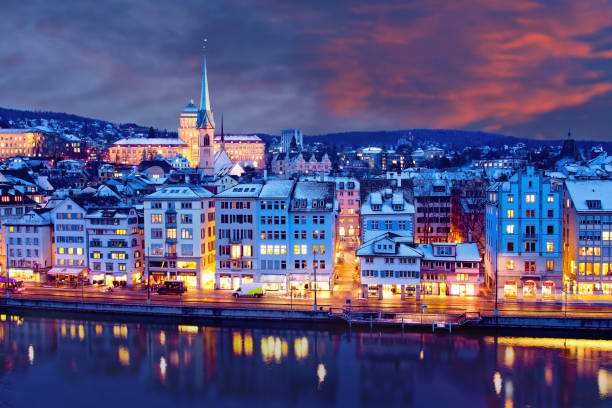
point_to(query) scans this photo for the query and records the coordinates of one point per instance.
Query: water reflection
(150, 363)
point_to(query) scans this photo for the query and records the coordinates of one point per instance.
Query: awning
(63, 270)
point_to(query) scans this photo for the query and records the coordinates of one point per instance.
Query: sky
(524, 68)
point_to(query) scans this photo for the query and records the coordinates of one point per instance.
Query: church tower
(206, 129)
(188, 132)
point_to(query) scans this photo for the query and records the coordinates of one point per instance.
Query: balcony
(531, 236)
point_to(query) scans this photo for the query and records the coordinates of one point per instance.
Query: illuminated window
(551, 198)
(296, 249)
(510, 198)
(247, 250)
(510, 265)
(121, 232)
(530, 198)
(171, 233)
(510, 213)
(235, 251)
(510, 229)
(605, 235)
(550, 265)
(262, 249)
(186, 233)
(156, 218)
(550, 246)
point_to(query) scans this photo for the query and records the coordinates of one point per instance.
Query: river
(49, 362)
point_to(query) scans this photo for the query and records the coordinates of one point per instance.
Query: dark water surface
(48, 362)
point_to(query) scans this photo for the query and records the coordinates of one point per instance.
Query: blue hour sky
(524, 68)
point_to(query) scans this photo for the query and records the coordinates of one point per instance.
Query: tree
(151, 134)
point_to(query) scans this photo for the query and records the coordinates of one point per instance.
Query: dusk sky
(524, 68)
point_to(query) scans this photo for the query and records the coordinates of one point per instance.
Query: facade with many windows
(386, 211)
(236, 221)
(523, 236)
(179, 230)
(116, 248)
(587, 233)
(70, 238)
(432, 199)
(29, 246)
(347, 196)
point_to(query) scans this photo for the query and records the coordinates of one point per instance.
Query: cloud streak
(321, 66)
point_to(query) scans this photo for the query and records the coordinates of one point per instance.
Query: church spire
(205, 99)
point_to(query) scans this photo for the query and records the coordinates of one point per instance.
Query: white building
(29, 246)
(116, 246)
(71, 258)
(386, 211)
(179, 232)
(390, 264)
(587, 232)
(236, 222)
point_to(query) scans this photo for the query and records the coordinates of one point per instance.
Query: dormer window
(397, 207)
(593, 204)
(377, 207)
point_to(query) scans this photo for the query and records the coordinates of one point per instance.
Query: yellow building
(246, 150)
(195, 141)
(19, 142)
(134, 150)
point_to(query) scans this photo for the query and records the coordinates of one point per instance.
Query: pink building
(347, 197)
(450, 269)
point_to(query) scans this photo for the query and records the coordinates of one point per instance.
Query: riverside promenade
(325, 316)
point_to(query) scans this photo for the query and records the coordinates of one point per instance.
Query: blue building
(523, 236)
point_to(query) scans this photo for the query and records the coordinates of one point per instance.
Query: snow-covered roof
(179, 193)
(242, 190)
(157, 141)
(239, 139)
(403, 246)
(19, 131)
(386, 203)
(466, 252)
(590, 195)
(277, 189)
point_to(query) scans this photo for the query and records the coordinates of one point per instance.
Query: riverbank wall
(307, 318)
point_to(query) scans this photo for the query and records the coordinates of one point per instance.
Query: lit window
(551, 198)
(510, 213)
(156, 218)
(510, 198)
(530, 198)
(550, 265)
(510, 265)
(510, 229)
(550, 246)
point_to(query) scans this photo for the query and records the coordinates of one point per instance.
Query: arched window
(206, 141)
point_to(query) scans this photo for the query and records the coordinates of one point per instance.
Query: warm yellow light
(321, 373)
(497, 382)
(31, 354)
(124, 356)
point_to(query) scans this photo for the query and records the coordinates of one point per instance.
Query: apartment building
(29, 246)
(587, 236)
(390, 265)
(347, 196)
(237, 228)
(116, 246)
(312, 228)
(523, 236)
(386, 211)
(70, 237)
(450, 269)
(179, 231)
(432, 200)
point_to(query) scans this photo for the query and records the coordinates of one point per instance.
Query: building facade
(347, 196)
(523, 236)
(71, 259)
(179, 230)
(386, 211)
(116, 246)
(19, 142)
(29, 246)
(432, 200)
(587, 234)
(246, 150)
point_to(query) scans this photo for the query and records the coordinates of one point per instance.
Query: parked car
(172, 288)
(250, 290)
(15, 286)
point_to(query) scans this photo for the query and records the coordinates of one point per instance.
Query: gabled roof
(590, 195)
(403, 246)
(179, 192)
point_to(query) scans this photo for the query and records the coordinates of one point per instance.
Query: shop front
(463, 289)
(63, 275)
(548, 289)
(530, 289)
(434, 288)
(190, 279)
(24, 274)
(274, 282)
(510, 289)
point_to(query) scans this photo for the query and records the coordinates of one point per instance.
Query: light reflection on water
(161, 365)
